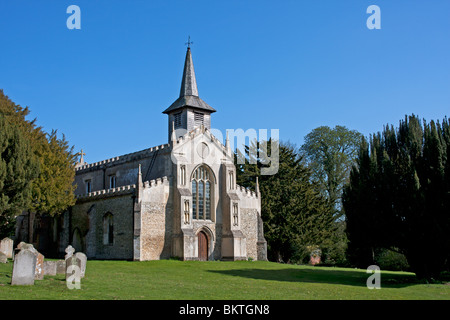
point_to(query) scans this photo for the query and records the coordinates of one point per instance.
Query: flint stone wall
(87, 216)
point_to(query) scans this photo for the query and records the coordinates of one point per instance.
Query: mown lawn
(241, 280)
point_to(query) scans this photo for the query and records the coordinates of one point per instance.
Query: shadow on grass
(329, 276)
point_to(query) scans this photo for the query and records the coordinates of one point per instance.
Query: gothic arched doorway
(202, 246)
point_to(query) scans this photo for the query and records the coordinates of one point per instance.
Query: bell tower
(189, 111)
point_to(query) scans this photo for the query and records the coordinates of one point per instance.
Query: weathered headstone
(7, 246)
(69, 250)
(19, 246)
(60, 267)
(72, 261)
(3, 258)
(50, 268)
(39, 274)
(83, 259)
(24, 268)
(73, 273)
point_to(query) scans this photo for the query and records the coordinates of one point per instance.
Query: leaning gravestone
(83, 259)
(24, 268)
(50, 268)
(6, 246)
(3, 258)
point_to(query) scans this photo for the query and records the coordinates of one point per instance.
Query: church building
(179, 199)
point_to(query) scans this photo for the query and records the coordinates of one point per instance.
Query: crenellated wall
(155, 162)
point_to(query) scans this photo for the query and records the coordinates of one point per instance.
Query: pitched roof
(189, 92)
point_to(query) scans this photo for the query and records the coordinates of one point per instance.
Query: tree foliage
(51, 190)
(398, 197)
(330, 154)
(18, 167)
(294, 213)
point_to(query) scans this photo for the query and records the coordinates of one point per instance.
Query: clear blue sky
(287, 65)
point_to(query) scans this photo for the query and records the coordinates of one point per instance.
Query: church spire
(188, 83)
(189, 93)
(189, 111)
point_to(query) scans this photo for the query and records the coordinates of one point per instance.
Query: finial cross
(82, 156)
(189, 42)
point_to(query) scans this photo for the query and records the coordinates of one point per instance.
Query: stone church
(179, 199)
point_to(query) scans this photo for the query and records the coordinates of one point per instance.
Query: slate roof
(189, 91)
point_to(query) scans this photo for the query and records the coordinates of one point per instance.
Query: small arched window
(108, 229)
(201, 193)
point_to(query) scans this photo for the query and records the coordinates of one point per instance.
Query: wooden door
(202, 246)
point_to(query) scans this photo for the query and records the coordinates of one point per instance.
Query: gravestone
(24, 268)
(19, 246)
(83, 259)
(60, 267)
(69, 250)
(50, 268)
(39, 274)
(3, 258)
(72, 261)
(7, 246)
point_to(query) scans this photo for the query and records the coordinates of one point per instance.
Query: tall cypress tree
(398, 196)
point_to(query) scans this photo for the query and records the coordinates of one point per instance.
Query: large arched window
(201, 193)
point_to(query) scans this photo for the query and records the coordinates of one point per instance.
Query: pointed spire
(189, 92)
(188, 83)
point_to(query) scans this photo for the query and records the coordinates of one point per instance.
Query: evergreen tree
(295, 214)
(398, 196)
(18, 167)
(52, 190)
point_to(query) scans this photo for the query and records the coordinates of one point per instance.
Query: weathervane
(189, 42)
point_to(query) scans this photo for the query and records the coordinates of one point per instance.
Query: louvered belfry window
(201, 194)
(198, 119)
(177, 120)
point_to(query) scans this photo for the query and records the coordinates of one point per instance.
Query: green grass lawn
(241, 280)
